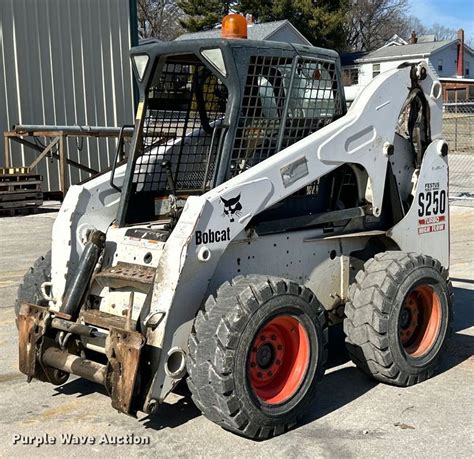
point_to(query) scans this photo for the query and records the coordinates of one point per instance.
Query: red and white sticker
(431, 224)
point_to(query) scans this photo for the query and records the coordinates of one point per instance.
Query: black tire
(399, 317)
(29, 290)
(219, 351)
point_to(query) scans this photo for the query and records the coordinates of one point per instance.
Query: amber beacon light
(234, 26)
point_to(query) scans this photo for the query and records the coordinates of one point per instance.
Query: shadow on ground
(461, 345)
(80, 388)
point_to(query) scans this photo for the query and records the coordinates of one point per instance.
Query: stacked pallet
(19, 190)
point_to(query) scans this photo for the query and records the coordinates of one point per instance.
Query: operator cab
(211, 109)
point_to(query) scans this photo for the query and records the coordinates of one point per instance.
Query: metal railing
(55, 146)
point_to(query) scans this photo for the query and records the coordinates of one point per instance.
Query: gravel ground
(352, 417)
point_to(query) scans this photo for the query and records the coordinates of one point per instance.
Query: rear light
(234, 26)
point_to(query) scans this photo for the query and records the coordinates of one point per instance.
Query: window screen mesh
(182, 125)
(285, 99)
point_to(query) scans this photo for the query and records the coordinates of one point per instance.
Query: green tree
(322, 22)
(203, 14)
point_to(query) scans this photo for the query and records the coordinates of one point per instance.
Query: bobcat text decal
(232, 207)
(210, 236)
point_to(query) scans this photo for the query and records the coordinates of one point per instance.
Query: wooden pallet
(19, 189)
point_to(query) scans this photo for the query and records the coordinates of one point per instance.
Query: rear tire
(399, 317)
(29, 290)
(240, 376)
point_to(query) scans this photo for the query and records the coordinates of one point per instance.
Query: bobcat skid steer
(253, 212)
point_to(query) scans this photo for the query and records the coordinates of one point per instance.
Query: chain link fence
(458, 130)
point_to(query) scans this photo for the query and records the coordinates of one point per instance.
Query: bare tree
(372, 22)
(412, 23)
(442, 32)
(159, 19)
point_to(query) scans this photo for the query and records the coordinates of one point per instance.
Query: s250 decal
(431, 203)
(431, 209)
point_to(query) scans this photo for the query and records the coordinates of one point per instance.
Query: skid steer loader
(253, 212)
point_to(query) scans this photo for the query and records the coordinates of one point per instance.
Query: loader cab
(210, 109)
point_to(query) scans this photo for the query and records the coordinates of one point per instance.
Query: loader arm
(365, 136)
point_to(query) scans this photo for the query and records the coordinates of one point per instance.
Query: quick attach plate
(123, 348)
(32, 324)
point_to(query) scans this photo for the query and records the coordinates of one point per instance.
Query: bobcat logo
(232, 207)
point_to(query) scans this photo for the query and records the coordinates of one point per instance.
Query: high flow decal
(210, 236)
(431, 209)
(232, 207)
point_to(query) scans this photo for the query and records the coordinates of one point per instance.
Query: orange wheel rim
(420, 321)
(278, 359)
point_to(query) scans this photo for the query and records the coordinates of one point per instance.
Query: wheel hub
(265, 356)
(419, 321)
(278, 359)
(404, 318)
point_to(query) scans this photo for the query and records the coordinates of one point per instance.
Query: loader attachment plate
(31, 327)
(123, 349)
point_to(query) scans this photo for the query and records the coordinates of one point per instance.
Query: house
(453, 60)
(283, 31)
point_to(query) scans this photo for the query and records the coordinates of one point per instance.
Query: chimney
(249, 19)
(460, 54)
(413, 38)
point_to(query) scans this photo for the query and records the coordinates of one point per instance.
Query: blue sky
(454, 14)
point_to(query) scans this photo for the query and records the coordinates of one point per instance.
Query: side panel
(425, 228)
(303, 256)
(92, 205)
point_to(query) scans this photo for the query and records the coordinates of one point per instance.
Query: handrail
(118, 152)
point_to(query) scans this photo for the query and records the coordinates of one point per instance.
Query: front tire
(29, 290)
(256, 353)
(399, 317)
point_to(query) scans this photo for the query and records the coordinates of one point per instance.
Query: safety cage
(216, 108)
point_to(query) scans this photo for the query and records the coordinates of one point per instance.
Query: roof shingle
(417, 49)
